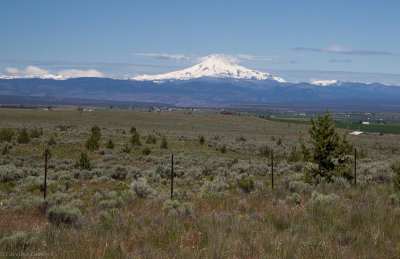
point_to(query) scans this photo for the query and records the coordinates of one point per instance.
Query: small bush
(394, 199)
(51, 141)
(135, 139)
(83, 162)
(23, 137)
(9, 173)
(127, 148)
(241, 138)
(265, 151)
(395, 166)
(5, 149)
(146, 151)
(170, 205)
(92, 143)
(6, 134)
(64, 215)
(164, 143)
(202, 140)
(16, 242)
(35, 133)
(295, 198)
(133, 130)
(223, 149)
(151, 139)
(141, 188)
(319, 199)
(247, 185)
(110, 144)
(119, 173)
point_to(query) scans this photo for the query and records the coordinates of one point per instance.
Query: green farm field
(114, 201)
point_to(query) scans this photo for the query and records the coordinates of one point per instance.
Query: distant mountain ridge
(211, 92)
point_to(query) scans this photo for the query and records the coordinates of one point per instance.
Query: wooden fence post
(355, 167)
(172, 176)
(272, 169)
(45, 176)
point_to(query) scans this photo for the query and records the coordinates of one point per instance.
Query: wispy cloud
(164, 56)
(344, 50)
(255, 58)
(333, 60)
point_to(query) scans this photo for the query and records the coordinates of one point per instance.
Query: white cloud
(164, 56)
(29, 70)
(80, 73)
(33, 71)
(12, 70)
(336, 48)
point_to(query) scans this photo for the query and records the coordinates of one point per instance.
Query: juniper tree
(327, 149)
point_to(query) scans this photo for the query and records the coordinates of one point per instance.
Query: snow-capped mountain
(214, 66)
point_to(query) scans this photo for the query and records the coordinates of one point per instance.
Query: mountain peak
(212, 66)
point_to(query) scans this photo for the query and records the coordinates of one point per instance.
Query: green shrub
(223, 149)
(394, 199)
(247, 185)
(64, 215)
(164, 143)
(146, 151)
(83, 162)
(92, 143)
(110, 144)
(241, 138)
(23, 137)
(51, 141)
(6, 134)
(294, 155)
(95, 132)
(127, 148)
(9, 173)
(295, 198)
(35, 133)
(18, 241)
(133, 130)
(395, 166)
(135, 139)
(5, 149)
(265, 151)
(151, 139)
(202, 140)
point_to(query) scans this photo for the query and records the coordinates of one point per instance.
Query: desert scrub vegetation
(115, 202)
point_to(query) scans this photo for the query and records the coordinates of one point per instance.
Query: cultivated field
(113, 201)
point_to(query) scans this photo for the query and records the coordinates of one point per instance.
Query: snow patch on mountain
(324, 82)
(213, 66)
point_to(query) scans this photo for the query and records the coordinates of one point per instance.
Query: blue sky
(119, 38)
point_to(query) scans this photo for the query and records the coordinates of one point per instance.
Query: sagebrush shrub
(64, 215)
(23, 136)
(141, 188)
(247, 185)
(395, 166)
(135, 139)
(110, 144)
(6, 134)
(151, 139)
(83, 162)
(18, 241)
(164, 143)
(319, 199)
(9, 173)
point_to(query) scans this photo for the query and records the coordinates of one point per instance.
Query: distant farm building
(365, 123)
(357, 133)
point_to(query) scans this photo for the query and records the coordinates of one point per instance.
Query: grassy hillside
(223, 206)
